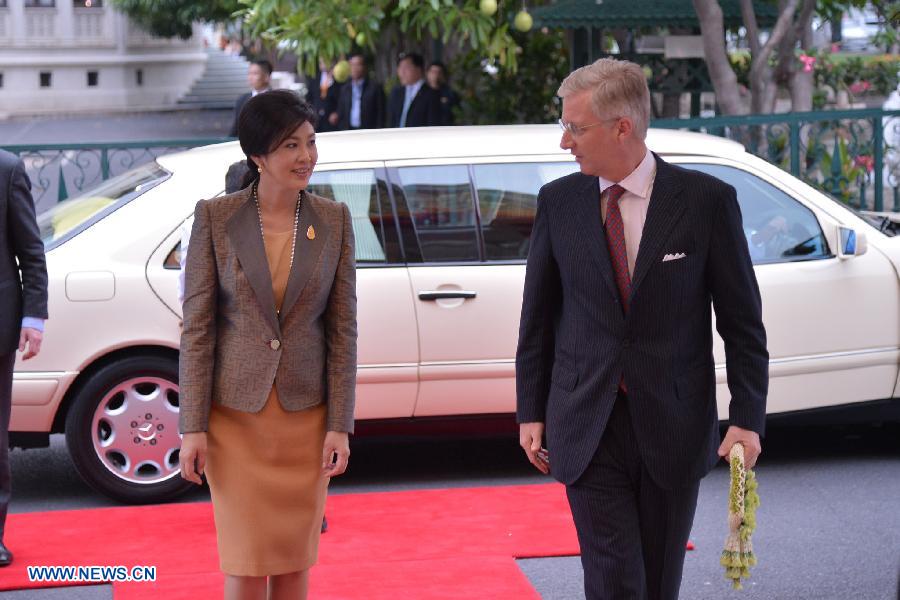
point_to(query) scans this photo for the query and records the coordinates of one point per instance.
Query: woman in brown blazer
(268, 354)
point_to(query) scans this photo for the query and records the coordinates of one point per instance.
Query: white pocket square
(669, 257)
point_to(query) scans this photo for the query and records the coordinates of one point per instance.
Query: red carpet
(426, 544)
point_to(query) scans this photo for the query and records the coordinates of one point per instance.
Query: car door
(466, 230)
(387, 354)
(832, 322)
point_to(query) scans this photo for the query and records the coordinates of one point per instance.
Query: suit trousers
(7, 362)
(632, 532)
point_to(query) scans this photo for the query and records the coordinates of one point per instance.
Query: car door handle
(445, 294)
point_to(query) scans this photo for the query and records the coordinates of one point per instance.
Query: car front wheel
(122, 430)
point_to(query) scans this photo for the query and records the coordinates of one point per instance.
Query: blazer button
(275, 344)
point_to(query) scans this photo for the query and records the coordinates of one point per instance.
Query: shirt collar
(415, 87)
(638, 181)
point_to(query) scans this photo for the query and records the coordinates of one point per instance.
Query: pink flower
(808, 62)
(865, 161)
(835, 47)
(860, 87)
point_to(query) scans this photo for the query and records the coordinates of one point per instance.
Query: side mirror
(852, 242)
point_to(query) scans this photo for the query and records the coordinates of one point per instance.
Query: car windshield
(74, 215)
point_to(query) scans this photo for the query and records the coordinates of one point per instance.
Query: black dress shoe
(6, 556)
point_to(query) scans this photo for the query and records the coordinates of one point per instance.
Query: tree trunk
(802, 81)
(724, 81)
(761, 76)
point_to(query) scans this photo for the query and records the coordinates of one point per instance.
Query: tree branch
(749, 16)
(782, 26)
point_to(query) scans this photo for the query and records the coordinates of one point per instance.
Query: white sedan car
(442, 219)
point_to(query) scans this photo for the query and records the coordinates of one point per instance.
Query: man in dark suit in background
(413, 103)
(23, 302)
(361, 103)
(438, 81)
(615, 361)
(259, 74)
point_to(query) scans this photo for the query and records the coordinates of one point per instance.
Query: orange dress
(265, 471)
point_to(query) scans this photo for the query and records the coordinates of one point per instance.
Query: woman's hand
(336, 443)
(193, 452)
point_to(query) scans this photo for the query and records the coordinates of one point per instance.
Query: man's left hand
(31, 338)
(750, 440)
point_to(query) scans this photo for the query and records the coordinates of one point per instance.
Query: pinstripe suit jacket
(227, 354)
(575, 341)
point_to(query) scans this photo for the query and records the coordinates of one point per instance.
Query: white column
(65, 27)
(16, 25)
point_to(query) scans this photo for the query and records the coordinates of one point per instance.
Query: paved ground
(115, 127)
(829, 524)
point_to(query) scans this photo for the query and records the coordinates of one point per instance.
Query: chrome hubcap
(135, 430)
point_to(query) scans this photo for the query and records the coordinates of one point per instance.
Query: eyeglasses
(576, 130)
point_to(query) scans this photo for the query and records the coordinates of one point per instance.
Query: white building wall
(68, 42)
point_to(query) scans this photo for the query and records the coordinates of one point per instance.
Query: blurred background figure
(412, 103)
(325, 102)
(361, 102)
(438, 80)
(259, 75)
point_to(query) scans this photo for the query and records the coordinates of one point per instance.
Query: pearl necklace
(296, 224)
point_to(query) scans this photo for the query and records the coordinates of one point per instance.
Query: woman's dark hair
(268, 119)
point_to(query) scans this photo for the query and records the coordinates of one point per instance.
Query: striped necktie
(615, 243)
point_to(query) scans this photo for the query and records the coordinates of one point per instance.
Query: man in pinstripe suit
(614, 364)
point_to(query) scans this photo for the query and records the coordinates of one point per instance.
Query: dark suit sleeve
(345, 100)
(378, 91)
(540, 302)
(27, 244)
(340, 333)
(198, 336)
(738, 306)
(238, 105)
(393, 117)
(435, 114)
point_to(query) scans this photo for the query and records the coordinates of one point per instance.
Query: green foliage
(741, 62)
(499, 96)
(170, 18)
(860, 75)
(327, 29)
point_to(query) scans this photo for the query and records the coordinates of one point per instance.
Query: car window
(359, 190)
(507, 199)
(70, 217)
(441, 210)
(777, 227)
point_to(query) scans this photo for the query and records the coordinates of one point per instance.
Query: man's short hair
(264, 65)
(440, 65)
(415, 57)
(618, 89)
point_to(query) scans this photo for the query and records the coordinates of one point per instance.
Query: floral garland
(743, 499)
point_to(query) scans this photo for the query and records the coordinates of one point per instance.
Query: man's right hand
(530, 435)
(193, 450)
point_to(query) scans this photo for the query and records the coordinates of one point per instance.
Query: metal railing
(854, 155)
(60, 170)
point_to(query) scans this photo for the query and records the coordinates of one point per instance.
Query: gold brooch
(311, 233)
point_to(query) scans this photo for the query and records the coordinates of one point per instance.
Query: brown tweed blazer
(234, 345)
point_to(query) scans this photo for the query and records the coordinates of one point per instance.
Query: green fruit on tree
(341, 71)
(361, 38)
(488, 7)
(523, 21)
